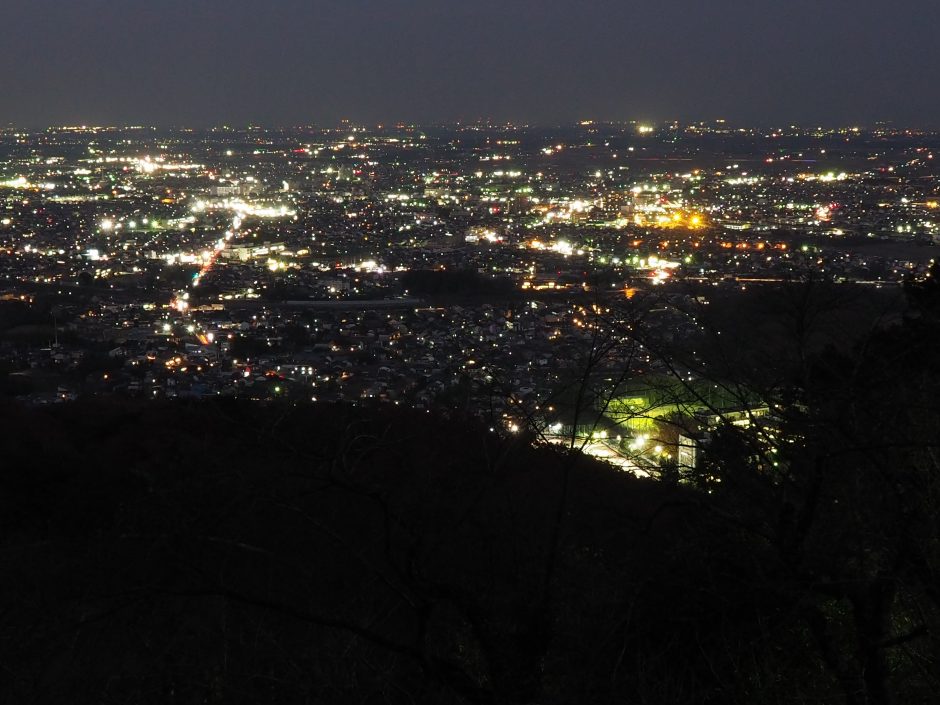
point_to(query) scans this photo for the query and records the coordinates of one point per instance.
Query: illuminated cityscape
(500, 352)
(401, 264)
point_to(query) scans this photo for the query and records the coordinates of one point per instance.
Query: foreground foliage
(228, 553)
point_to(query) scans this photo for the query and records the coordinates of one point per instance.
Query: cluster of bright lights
(639, 442)
(21, 182)
(371, 266)
(567, 212)
(827, 177)
(244, 209)
(675, 220)
(477, 234)
(146, 165)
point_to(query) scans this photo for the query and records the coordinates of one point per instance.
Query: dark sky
(286, 62)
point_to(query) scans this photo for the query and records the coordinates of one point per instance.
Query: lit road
(602, 450)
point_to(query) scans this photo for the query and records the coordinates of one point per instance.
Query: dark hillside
(239, 553)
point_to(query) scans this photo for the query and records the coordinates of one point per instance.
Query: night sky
(291, 62)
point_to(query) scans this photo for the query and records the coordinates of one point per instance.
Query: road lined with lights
(180, 302)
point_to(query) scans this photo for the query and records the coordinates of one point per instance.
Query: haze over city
(291, 62)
